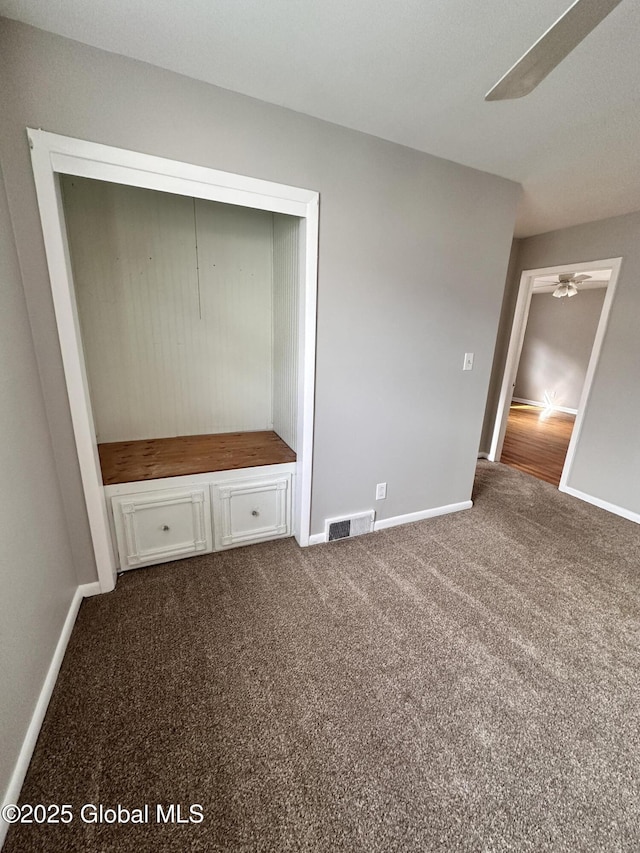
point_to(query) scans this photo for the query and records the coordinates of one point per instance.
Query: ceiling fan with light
(551, 48)
(567, 284)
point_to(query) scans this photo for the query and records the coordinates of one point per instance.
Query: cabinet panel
(253, 510)
(164, 525)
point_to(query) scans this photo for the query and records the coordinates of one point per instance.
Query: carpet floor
(466, 683)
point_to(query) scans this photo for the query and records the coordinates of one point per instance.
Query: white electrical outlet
(468, 361)
(381, 491)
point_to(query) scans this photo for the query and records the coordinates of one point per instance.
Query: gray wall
(413, 256)
(557, 346)
(509, 297)
(607, 462)
(38, 580)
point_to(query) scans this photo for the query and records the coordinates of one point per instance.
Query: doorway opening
(559, 324)
(55, 156)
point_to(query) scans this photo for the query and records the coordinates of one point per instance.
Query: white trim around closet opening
(52, 155)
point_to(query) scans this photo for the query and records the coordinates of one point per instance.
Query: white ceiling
(414, 72)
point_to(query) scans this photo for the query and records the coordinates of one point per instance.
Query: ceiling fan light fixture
(567, 284)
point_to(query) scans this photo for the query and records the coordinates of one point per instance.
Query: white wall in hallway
(557, 347)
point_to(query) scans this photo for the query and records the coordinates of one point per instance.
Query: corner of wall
(502, 344)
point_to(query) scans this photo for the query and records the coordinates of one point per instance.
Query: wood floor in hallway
(537, 444)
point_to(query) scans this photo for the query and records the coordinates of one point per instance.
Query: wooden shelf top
(154, 458)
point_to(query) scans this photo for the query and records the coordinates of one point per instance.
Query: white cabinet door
(246, 511)
(153, 527)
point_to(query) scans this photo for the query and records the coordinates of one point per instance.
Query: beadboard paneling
(177, 338)
(235, 259)
(285, 327)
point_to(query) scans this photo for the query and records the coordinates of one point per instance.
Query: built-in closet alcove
(163, 518)
(188, 314)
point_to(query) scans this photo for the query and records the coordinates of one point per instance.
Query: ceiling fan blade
(582, 277)
(551, 48)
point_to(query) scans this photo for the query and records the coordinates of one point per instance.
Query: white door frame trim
(52, 155)
(516, 341)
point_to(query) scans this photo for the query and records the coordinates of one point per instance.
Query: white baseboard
(397, 520)
(28, 745)
(541, 405)
(616, 510)
(422, 514)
